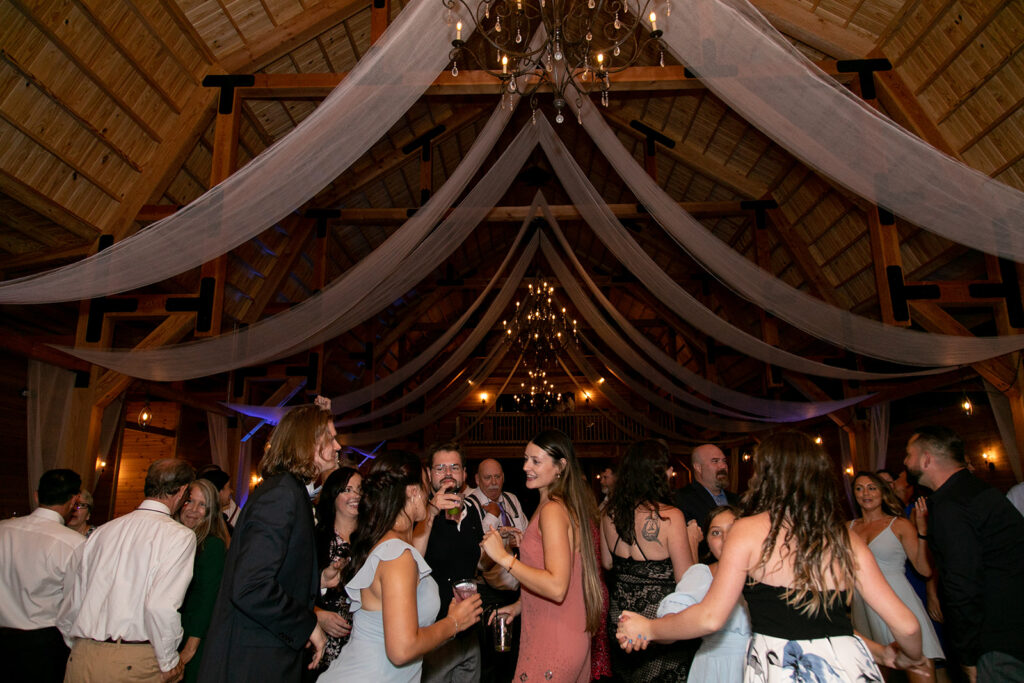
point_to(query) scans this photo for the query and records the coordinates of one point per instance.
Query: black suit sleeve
(963, 578)
(256, 591)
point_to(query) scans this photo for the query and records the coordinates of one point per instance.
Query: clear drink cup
(502, 633)
(463, 588)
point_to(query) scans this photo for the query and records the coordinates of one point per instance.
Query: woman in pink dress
(561, 589)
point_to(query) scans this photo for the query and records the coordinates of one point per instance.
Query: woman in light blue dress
(394, 599)
(893, 540)
(721, 654)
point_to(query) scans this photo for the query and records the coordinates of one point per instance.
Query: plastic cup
(502, 633)
(464, 588)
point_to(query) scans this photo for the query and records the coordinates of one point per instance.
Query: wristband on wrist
(510, 564)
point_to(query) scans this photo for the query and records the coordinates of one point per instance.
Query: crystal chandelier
(539, 330)
(583, 42)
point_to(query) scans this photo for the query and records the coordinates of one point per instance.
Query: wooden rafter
(274, 44)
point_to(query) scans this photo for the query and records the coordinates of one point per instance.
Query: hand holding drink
(463, 589)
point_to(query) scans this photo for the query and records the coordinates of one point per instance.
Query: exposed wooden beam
(41, 258)
(110, 384)
(115, 42)
(815, 30)
(804, 261)
(280, 40)
(697, 161)
(299, 233)
(293, 86)
(166, 160)
(499, 214)
(351, 183)
(32, 348)
(900, 103)
(41, 204)
(68, 109)
(110, 90)
(998, 371)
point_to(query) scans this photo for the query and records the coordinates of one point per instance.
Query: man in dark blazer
(707, 490)
(263, 617)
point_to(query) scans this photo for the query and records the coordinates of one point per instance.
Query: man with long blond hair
(264, 615)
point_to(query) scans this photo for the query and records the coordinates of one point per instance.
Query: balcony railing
(500, 429)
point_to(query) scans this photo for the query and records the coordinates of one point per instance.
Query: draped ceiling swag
(734, 50)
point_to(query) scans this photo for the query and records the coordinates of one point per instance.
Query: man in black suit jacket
(263, 617)
(975, 536)
(707, 491)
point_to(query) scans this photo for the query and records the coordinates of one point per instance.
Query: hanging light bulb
(145, 415)
(967, 406)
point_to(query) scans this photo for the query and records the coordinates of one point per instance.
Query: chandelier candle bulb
(654, 21)
(458, 31)
(504, 64)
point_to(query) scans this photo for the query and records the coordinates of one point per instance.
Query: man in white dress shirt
(120, 613)
(498, 508)
(35, 552)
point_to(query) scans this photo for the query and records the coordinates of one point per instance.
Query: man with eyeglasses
(36, 552)
(449, 539)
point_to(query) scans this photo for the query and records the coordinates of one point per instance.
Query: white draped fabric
(49, 403)
(405, 258)
(217, 425)
(660, 402)
(759, 74)
(1007, 431)
(778, 411)
(454, 361)
(878, 446)
(343, 403)
(803, 311)
(385, 83)
(457, 392)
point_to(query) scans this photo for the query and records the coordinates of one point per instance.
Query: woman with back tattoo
(644, 545)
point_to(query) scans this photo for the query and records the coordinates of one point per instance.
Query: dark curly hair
(640, 482)
(795, 483)
(383, 500)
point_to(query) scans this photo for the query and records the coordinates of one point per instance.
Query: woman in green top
(201, 513)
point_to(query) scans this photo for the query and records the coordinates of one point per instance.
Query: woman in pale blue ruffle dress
(721, 654)
(394, 598)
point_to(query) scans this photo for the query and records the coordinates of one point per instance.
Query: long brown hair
(891, 504)
(213, 523)
(795, 483)
(294, 442)
(571, 490)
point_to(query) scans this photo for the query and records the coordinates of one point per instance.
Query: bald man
(498, 509)
(707, 490)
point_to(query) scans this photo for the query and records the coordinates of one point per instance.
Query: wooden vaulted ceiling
(104, 119)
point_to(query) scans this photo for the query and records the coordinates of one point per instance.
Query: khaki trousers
(94, 662)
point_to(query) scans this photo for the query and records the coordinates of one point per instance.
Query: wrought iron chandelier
(539, 330)
(583, 42)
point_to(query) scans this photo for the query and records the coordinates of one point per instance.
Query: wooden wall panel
(14, 489)
(139, 449)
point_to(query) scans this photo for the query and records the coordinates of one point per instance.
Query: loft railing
(499, 429)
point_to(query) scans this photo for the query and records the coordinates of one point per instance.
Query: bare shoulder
(902, 526)
(405, 563)
(671, 513)
(553, 511)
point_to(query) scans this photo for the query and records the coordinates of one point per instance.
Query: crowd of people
(404, 572)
